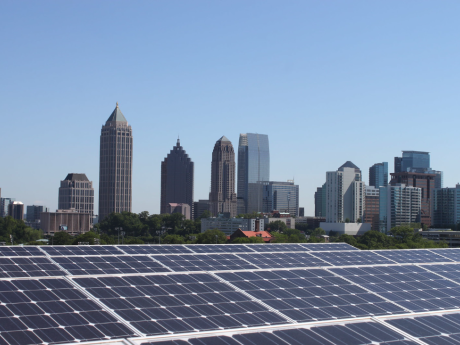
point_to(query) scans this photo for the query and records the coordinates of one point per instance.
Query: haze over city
(327, 82)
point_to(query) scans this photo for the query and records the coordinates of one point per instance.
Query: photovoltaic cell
(81, 250)
(410, 286)
(209, 262)
(178, 303)
(453, 254)
(273, 247)
(28, 267)
(20, 251)
(327, 246)
(310, 295)
(221, 248)
(155, 249)
(92, 265)
(409, 256)
(39, 311)
(283, 260)
(352, 258)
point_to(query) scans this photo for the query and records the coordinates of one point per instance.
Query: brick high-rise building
(371, 209)
(116, 165)
(177, 171)
(222, 197)
(77, 192)
(424, 181)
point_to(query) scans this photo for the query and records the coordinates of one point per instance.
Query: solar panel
(28, 267)
(352, 258)
(94, 265)
(310, 295)
(283, 260)
(327, 246)
(209, 262)
(274, 247)
(20, 251)
(81, 250)
(39, 311)
(451, 254)
(155, 249)
(408, 256)
(175, 303)
(411, 287)
(221, 248)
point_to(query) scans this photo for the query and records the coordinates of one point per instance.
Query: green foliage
(277, 225)
(173, 239)
(133, 240)
(317, 232)
(86, 237)
(348, 239)
(347, 220)
(21, 233)
(254, 239)
(61, 238)
(302, 227)
(205, 214)
(209, 237)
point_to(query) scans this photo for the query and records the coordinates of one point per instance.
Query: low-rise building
(70, 221)
(452, 238)
(229, 225)
(312, 222)
(352, 229)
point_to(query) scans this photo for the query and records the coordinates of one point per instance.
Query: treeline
(17, 230)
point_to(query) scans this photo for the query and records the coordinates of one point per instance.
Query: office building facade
(199, 207)
(345, 194)
(229, 225)
(183, 209)
(253, 167)
(399, 204)
(320, 201)
(280, 196)
(116, 163)
(16, 210)
(222, 197)
(445, 211)
(77, 192)
(70, 221)
(371, 209)
(4, 204)
(177, 174)
(33, 212)
(424, 181)
(378, 175)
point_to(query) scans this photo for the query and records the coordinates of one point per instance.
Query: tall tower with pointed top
(222, 196)
(176, 178)
(116, 165)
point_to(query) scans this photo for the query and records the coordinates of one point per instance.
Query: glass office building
(281, 196)
(378, 175)
(415, 160)
(253, 167)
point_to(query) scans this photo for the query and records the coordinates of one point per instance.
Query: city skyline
(310, 64)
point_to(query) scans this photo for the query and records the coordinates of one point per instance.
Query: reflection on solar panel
(81, 250)
(50, 311)
(412, 256)
(310, 295)
(92, 265)
(28, 267)
(178, 303)
(155, 249)
(327, 246)
(352, 258)
(283, 260)
(411, 287)
(210, 262)
(20, 251)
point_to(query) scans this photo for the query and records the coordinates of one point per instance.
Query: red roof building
(265, 235)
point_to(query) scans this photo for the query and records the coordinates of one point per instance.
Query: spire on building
(117, 115)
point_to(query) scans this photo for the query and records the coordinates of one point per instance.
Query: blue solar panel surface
(151, 290)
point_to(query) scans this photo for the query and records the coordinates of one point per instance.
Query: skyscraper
(16, 210)
(116, 165)
(281, 196)
(34, 211)
(253, 167)
(446, 207)
(378, 175)
(345, 193)
(177, 171)
(222, 196)
(4, 204)
(77, 192)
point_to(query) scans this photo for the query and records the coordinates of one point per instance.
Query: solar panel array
(326, 293)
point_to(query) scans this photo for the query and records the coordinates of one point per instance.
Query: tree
(209, 236)
(205, 214)
(347, 220)
(277, 225)
(61, 238)
(375, 240)
(348, 239)
(404, 233)
(318, 232)
(173, 239)
(86, 237)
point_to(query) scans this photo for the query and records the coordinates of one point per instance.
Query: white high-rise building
(345, 193)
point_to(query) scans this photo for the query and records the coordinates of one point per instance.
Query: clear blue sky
(328, 81)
